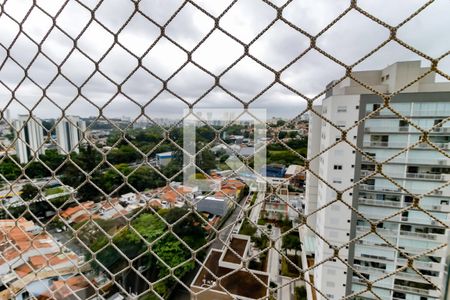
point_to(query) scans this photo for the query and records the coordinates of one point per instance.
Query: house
(128, 198)
(221, 201)
(79, 213)
(111, 209)
(30, 258)
(284, 205)
(164, 158)
(175, 194)
(76, 287)
(296, 175)
(218, 206)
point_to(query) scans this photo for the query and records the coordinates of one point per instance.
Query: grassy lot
(286, 157)
(54, 191)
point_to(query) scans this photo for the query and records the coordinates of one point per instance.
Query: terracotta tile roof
(155, 203)
(23, 270)
(65, 288)
(40, 261)
(72, 210)
(171, 194)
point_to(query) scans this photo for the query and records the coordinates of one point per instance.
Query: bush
(262, 222)
(300, 293)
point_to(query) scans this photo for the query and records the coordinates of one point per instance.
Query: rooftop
(238, 245)
(241, 283)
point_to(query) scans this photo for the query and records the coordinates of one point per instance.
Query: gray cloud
(351, 38)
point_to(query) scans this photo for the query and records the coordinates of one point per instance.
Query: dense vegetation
(149, 232)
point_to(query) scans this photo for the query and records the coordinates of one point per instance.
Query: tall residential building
(69, 134)
(30, 138)
(419, 170)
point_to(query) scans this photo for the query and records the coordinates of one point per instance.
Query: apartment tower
(28, 132)
(413, 176)
(69, 134)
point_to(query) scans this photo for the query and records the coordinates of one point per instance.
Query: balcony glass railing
(426, 176)
(379, 202)
(408, 129)
(404, 145)
(416, 161)
(419, 264)
(390, 232)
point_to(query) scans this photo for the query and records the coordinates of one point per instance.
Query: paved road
(254, 214)
(275, 257)
(227, 227)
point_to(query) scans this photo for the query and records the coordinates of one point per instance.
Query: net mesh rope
(83, 269)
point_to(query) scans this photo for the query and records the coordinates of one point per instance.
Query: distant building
(163, 158)
(274, 170)
(69, 134)
(296, 175)
(30, 138)
(129, 198)
(218, 206)
(222, 201)
(283, 205)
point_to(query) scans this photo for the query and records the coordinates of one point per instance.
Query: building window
(340, 124)
(387, 76)
(337, 167)
(342, 109)
(337, 180)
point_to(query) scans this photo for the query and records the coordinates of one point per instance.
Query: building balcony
(424, 176)
(414, 290)
(401, 145)
(398, 204)
(384, 203)
(404, 219)
(410, 250)
(373, 188)
(415, 161)
(370, 269)
(417, 277)
(393, 129)
(401, 233)
(407, 113)
(421, 264)
(369, 187)
(406, 129)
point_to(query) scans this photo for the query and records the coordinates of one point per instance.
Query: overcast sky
(350, 39)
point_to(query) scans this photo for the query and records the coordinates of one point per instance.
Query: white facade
(30, 137)
(340, 165)
(69, 134)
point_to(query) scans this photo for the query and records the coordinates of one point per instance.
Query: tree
(206, 160)
(9, 169)
(28, 192)
(291, 241)
(168, 247)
